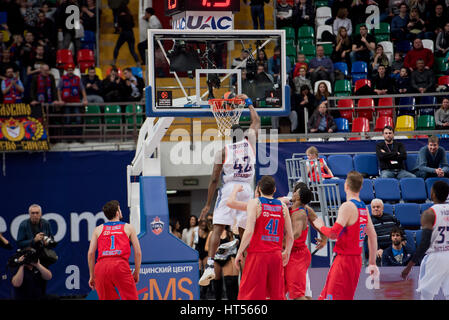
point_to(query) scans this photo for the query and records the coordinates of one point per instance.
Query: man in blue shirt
(432, 161)
(321, 67)
(399, 23)
(397, 254)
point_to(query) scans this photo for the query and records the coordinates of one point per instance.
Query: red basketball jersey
(301, 241)
(350, 240)
(113, 241)
(269, 230)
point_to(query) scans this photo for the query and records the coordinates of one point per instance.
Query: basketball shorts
(262, 277)
(227, 216)
(112, 275)
(434, 273)
(342, 278)
(296, 272)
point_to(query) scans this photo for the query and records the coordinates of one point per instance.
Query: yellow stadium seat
(405, 123)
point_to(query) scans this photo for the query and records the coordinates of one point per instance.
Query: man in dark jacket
(321, 121)
(432, 161)
(392, 155)
(93, 86)
(397, 254)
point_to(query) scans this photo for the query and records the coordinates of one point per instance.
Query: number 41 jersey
(239, 162)
(113, 241)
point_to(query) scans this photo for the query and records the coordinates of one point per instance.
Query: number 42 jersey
(239, 162)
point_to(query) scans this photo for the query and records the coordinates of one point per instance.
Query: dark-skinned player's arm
(299, 220)
(253, 208)
(213, 182)
(288, 235)
(254, 127)
(321, 242)
(427, 222)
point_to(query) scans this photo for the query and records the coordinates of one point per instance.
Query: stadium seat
(408, 214)
(427, 105)
(383, 33)
(343, 67)
(387, 189)
(431, 181)
(366, 163)
(383, 121)
(426, 122)
(342, 124)
(328, 48)
(428, 44)
(85, 59)
(413, 189)
(129, 117)
(361, 83)
(418, 235)
(367, 191)
(388, 207)
(410, 237)
(348, 104)
(385, 102)
(112, 119)
(93, 122)
(405, 123)
(321, 29)
(342, 85)
(290, 48)
(443, 80)
(327, 83)
(137, 71)
(64, 58)
(309, 50)
(408, 104)
(410, 163)
(322, 14)
(306, 34)
(403, 46)
(289, 33)
(424, 206)
(89, 40)
(340, 183)
(365, 108)
(340, 164)
(360, 124)
(321, 3)
(359, 71)
(440, 66)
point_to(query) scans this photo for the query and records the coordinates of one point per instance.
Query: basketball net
(226, 112)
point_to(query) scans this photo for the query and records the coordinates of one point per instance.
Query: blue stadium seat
(388, 208)
(403, 46)
(387, 189)
(366, 163)
(137, 72)
(340, 164)
(359, 71)
(410, 163)
(409, 105)
(341, 187)
(427, 109)
(425, 206)
(343, 67)
(431, 181)
(408, 214)
(342, 124)
(413, 189)
(410, 236)
(367, 192)
(418, 235)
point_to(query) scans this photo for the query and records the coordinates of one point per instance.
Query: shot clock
(176, 6)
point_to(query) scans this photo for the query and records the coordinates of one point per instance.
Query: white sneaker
(208, 275)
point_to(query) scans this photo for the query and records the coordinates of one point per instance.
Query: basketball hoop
(226, 112)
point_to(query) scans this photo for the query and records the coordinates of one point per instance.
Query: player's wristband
(248, 102)
(333, 232)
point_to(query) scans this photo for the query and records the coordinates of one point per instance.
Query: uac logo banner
(22, 128)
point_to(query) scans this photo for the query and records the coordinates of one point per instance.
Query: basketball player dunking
(434, 270)
(235, 163)
(112, 269)
(353, 222)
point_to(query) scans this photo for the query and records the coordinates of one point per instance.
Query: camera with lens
(251, 68)
(30, 256)
(48, 241)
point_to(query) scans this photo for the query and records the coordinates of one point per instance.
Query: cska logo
(157, 226)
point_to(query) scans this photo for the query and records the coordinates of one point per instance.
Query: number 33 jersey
(113, 241)
(439, 240)
(240, 159)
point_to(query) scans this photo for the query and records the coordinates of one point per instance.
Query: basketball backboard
(186, 68)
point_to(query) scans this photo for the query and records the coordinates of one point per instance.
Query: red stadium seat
(360, 124)
(382, 122)
(64, 57)
(366, 113)
(361, 83)
(385, 102)
(85, 59)
(443, 80)
(346, 113)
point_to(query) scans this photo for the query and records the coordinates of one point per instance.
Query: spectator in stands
(43, 87)
(422, 79)
(45, 30)
(342, 21)
(322, 95)
(397, 65)
(284, 13)
(403, 84)
(301, 80)
(305, 100)
(382, 83)
(326, 172)
(15, 18)
(357, 11)
(418, 52)
(397, 254)
(363, 46)
(301, 63)
(241, 60)
(6, 63)
(89, 15)
(442, 42)
(114, 89)
(392, 155)
(383, 224)
(16, 48)
(189, 233)
(416, 26)
(175, 228)
(399, 21)
(303, 14)
(274, 64)
(343, 48)
(379, 58)
(437, 20)
(71, 90)
(126, 24)
(148, 21)
(321, 120)
(115, 7)
(442, 115)
(135, 85)
(337, 4)
(262, 59)
(93, 86)
(432, 161)
(29, 15)
(12, 87)
(27, 52)
(321, 67)
(35, 62)
(257, 13)
(66, 34)
(49, 12)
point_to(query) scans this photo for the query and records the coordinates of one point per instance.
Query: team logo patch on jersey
(157, 226)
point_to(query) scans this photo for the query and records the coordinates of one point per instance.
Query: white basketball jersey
(440, 234)
(239, 162)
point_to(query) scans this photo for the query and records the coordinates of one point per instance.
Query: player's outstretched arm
(253, 205)
(254, 126)
(213, 182)
(342, 219)
(321, 242)
(427, 222)
(233, 203)
(137, 252)
(91, 255)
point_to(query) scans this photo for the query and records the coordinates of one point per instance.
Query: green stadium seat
(93, 122)
(309, 50)
(306, 32)
(328, 48)
(342, 86)
(290, 48)
(426, 122)
(129, 117)
(265, 121)
(289, 33)
(321, 3)
(112, 119)
(440, 66)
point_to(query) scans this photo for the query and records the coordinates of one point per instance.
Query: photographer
(29, 275)
(36, 232)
